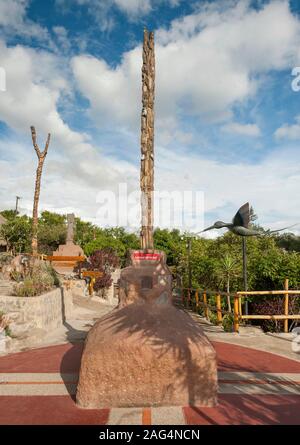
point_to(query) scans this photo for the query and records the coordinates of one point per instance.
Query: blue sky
(227, 120)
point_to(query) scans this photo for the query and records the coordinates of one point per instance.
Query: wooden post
(147, 141)
(286, 306)
(205, 305)
(236, 313)
(41, 159)
(197, 299)
(189, 297)
(219, 311)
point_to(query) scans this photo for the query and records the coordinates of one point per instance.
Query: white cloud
(134, 7)
(62, 37)
(242, 129)
(206, 64)
(271, 186)
(75, 169)
(289, 131)
(13, 20)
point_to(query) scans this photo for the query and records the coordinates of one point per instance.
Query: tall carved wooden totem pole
(147, 141)
(147, 352)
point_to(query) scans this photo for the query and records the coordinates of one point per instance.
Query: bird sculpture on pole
(240, 224)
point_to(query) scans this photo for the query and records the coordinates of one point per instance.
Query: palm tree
(228, 269)
(41, 158)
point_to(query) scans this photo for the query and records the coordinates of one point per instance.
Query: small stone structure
(47, 311)
(69, 249)
(148, 277)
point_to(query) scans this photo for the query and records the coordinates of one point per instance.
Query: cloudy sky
(227, 117)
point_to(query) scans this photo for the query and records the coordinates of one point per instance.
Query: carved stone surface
(146, 354)
(142, 279)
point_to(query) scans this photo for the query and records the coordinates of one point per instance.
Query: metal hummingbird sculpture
(240, 224)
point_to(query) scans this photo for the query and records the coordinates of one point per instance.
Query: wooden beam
(270, 292)
(64, 258)
(270, 317)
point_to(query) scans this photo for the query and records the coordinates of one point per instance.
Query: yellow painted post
(286, 306)
(219, 311)
(205, 305)
(197, 299)
(236, 313)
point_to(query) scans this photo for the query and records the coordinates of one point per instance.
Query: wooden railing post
(236, 313)
(286, 306)
(219, 309)
(205, 305)
(197, 299)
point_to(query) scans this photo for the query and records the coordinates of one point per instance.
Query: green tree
(17, 233)
(51, 231)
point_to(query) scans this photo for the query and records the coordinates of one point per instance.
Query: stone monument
(147, 352)
(70, 249)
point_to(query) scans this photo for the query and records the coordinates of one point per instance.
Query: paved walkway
(259, 380)
(255, 387)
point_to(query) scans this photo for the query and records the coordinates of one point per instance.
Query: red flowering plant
(105, 261)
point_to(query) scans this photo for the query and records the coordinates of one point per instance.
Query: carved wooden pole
(147, 141)
(41, 158)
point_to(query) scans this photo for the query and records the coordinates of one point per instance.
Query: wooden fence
(196, 298)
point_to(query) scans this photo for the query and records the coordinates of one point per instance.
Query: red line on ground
(146, 416)
(234, 409)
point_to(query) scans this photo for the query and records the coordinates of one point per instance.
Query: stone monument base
(147, 354)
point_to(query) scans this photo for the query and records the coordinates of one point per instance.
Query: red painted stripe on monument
(146, 256)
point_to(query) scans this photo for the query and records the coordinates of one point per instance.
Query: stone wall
(47, 311)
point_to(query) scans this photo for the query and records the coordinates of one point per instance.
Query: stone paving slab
(38, 387)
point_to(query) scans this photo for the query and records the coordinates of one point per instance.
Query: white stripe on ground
(37, 377)
(272, 376)
(260, 389)
(170, 415)
(43, 389)
(125, 416)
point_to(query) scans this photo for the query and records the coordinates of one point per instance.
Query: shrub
(273, 306)
(39, 279)
(4, 324)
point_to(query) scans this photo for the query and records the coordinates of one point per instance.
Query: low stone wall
(47, 311)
